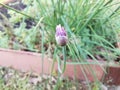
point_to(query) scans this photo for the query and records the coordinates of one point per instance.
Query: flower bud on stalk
(61, 35)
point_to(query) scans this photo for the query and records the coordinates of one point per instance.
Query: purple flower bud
(61, 35)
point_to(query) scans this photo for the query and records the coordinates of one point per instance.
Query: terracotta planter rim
(90, 61)
(20, 52)
(31, 61)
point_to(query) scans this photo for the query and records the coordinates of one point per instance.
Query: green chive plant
(92, 27)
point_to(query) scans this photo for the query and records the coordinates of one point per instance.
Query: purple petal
(61, 35)
(60, 31)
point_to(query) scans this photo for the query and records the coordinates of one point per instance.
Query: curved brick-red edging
(29, 61)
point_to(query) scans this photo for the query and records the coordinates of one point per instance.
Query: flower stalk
(61, 39)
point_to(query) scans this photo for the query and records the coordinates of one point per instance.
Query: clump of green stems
(92, 27)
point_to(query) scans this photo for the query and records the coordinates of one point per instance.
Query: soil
(18, 5)
(17, 80)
